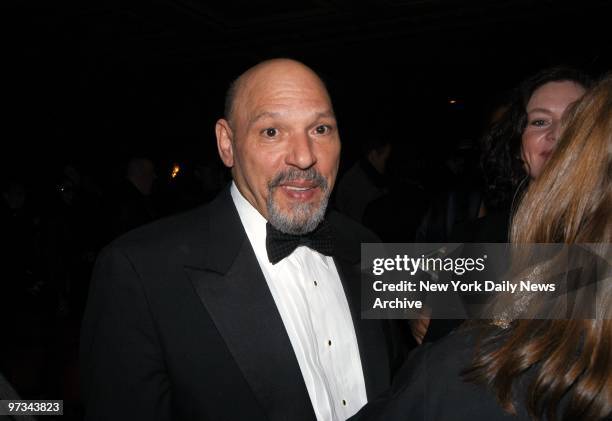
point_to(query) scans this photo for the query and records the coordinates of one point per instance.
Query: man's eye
(270, 132)
(323, 129)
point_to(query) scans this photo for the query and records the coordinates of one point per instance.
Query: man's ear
(225, 144)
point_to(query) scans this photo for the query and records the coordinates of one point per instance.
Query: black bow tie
(280, 245)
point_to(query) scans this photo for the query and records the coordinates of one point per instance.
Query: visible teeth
(297, 188)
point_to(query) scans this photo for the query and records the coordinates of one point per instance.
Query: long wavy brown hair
(571, 202)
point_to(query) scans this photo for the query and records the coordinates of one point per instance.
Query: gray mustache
(296, 174)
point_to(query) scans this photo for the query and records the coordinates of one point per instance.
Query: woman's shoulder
(445, 358)
(430, 385)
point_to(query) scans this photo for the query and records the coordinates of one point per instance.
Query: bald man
(246, 308)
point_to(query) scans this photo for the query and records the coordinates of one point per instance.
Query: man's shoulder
(166, 232)
(179, 229)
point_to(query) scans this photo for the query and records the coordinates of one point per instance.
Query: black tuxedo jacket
(180, 325)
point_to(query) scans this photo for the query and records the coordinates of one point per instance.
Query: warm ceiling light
(176, 168)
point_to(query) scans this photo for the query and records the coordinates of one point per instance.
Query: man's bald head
(270, 69)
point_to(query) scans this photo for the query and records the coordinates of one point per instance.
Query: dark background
(91, 82)
(87, 84)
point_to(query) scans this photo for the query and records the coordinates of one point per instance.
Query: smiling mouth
(299, 190)
(300, 185)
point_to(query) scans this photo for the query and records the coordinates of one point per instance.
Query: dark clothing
(71, 242)
(446, 211)
(133, 209)
(492, 228)
(429, 387)
(21, 259)
(395, 216)
(361, 185)
(181, 325)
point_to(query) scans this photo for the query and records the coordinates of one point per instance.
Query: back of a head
(141, 173)
(138, 166)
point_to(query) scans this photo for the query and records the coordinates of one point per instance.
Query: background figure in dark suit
(249, 307)
(134, 206)
(366, 180)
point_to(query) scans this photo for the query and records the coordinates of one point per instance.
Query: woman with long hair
(515, 150)
(531, 369)
(519, 143)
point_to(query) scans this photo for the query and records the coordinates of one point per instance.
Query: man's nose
(301, 152)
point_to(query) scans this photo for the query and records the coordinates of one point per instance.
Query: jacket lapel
(234, 292)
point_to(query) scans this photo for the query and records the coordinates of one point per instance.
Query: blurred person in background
(525, 369)
(134, 206)
(20, 228)
(460, 200)
(21, 356)
(518, 145)
(515, 151)
(366, 180)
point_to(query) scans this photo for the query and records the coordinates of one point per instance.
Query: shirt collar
(255, 226)
(253, 222)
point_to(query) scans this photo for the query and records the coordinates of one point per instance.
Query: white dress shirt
(310, 298)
